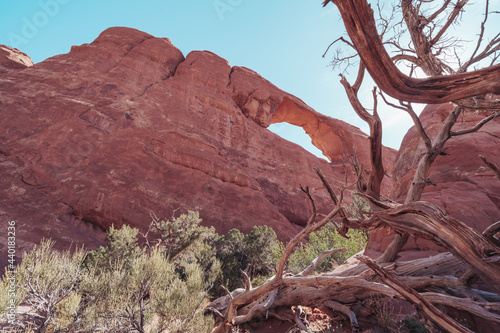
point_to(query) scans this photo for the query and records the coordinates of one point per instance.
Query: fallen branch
(491, 165)
(318, 259)
(425, 220)
(491, 232)
(261, 308)
(302, 324)
(428, 310)
(346, 311)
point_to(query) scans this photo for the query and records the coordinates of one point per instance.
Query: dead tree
(443, 279)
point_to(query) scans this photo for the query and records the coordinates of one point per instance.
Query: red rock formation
(463, 185)
(126, 126)
(13, 59)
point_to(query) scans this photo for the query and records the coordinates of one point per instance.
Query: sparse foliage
(323, 240)
(253, 253)
(48, 282)
(122, 287)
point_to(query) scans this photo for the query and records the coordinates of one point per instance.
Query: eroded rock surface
(127, 126)
(11, 58)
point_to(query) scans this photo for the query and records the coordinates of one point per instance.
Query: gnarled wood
(425, 220)
(491, 232)
(446, 273)
(361, 28)
(428, 310)
(373, 120)
(491, 165)
(318, 259)
(335, 306)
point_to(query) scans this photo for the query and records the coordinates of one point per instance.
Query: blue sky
(281, 40)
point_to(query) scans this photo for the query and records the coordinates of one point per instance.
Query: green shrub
(47, 282)
(237, 251)
(323, 240)
(328, 238)
(159, 287)
(181, 233)
(412, 324)
(118, 288)
(123, 247)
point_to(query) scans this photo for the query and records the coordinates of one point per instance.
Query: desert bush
(47, 283)
(150, 294)
(122, 287)
(180, 233)
(328, 238)
(237, 251)
(123, 246)
(161, 286)
(323, 240)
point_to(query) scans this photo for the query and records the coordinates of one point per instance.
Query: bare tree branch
(491, 232)
(373, 120)
(407, 107)
(335, 306)
(488, 50)
(491, 165)
(451, 18)
(318, 259)
(360, 25)
(428, 310)
(477, 127)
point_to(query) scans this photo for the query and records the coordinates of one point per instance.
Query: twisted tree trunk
(360, 25)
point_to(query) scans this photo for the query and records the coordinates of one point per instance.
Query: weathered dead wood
(491, 232)
(420, 178)
(314, 291)
(343, 229)
(491, 165)
(377, 172)
(444, 263)
(361, 27)
(425, 220)
(261, 308)
(302, 324)
(423, 42)
(441, 264)
(480, 309)
(318, 259)
(248, 283)
(346, 311)
(425, 307)
(476, 127)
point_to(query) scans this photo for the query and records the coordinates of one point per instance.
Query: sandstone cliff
(127, 126)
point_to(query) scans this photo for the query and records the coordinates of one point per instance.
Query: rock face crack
(127, 53)
(150, 86)
(492, 134)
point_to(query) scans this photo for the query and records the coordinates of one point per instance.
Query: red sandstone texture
(13, 59)
(127, 126)
(461, 183)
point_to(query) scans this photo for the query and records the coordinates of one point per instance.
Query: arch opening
(297, 135)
